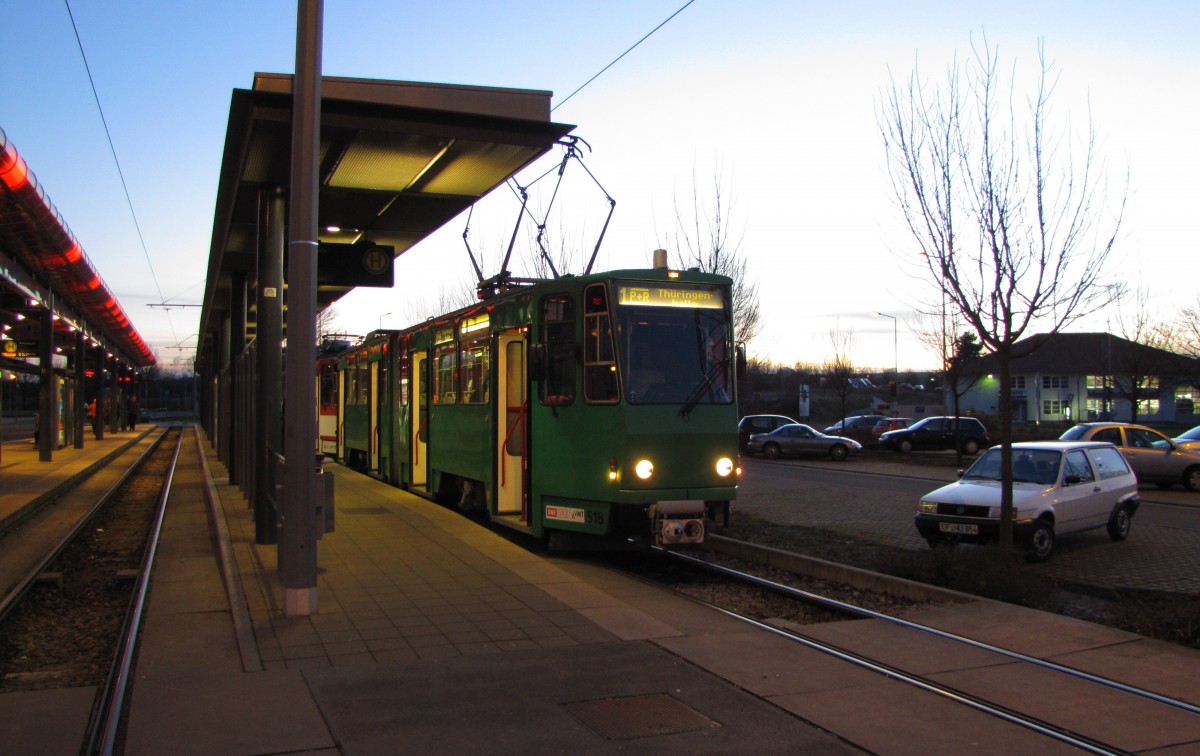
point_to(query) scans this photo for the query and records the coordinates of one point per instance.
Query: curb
(855, 577)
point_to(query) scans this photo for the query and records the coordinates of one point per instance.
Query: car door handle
(1097, 489)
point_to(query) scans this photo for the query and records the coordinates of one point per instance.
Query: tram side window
(557, 386)
(445, 377)
(474, 361)
(403, 394)
(599, 364)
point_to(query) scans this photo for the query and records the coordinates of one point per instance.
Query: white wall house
(1078, 377)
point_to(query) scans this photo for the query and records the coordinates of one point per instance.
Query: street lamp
(381, 317)
(895, 347)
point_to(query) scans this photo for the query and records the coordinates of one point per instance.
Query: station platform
(435, 635)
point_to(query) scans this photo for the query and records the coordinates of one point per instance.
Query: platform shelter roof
(42, 265)
(397, 160)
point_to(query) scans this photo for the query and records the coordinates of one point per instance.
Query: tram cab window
(557, 326)
(599, 362)
(674, 342)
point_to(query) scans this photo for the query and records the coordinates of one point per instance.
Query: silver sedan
(801, 440)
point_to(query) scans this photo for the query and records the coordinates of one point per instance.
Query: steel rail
(22, 587)
(864, 612)
(1042, 727)
(110, 699)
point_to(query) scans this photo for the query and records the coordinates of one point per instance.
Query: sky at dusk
(778, 99)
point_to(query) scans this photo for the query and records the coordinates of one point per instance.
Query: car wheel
(838, 453)
(1120, 523)
(1191, 478)
(771, 451)
(906, 447)
(1041, 543)
(970, 447)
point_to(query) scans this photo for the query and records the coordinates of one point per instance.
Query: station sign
(369, 265)
(15, 349)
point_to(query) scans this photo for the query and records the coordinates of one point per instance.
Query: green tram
(595, 406)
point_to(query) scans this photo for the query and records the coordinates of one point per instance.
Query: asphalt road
(874, 498)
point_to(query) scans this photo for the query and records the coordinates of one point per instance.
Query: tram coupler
(677, 522)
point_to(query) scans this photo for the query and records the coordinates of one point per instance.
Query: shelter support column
(237, 335)
(297, 541)
(98, 392)
(113, 406)
(47, 424)
(268, 419)
(80, 363)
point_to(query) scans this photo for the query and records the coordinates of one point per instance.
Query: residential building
(1077, 377)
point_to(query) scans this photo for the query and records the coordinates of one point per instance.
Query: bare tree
(838, 370)
(326, 322)
(703, 238)
(956, 355)
(1037, 233)
(1134, 368)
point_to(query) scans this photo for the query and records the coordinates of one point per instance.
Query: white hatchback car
(1059, 487)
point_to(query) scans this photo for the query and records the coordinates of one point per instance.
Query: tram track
(81, 631)
(964, 687)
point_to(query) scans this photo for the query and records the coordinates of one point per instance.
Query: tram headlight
(644, 469)
(724, 467)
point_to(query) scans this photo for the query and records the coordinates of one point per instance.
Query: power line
(622, 55)
(116, 161)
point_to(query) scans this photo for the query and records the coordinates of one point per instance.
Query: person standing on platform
(94, 417)
(131, 412)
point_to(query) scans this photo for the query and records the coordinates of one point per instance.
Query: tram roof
(397, 160)
(39, 256)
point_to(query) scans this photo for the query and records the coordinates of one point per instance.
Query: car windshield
(1074, 434)
(1192, 435)
(1029, 466)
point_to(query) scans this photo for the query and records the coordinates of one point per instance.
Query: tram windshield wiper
(706, 383)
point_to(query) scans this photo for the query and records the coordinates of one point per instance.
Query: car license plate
(959, 528)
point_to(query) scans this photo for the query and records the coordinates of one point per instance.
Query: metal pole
(297, 539)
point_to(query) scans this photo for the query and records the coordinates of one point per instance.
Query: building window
(1147, 406)
(1017, 382)
(1098, 409)
(1055, 381)
(1097, 382)
(1185, 401)
(1053, 406)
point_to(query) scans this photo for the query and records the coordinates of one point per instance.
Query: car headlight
(927, 507)
(644, 469)
(724, 467)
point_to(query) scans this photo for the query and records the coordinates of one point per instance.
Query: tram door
(510, 432)
(376, 396)
(420, 418)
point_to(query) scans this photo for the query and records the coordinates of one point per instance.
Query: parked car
(1189, 439)
(751, 424)
(857, 427)
(890, 424)
(1154, 457)
(965, 433)
(1059, 487)
(800, 440)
